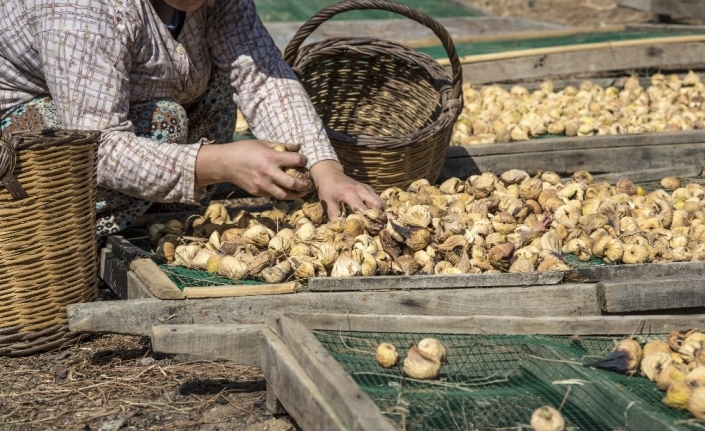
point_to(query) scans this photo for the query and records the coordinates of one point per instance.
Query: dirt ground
(116, 382)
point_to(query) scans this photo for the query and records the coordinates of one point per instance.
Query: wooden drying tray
(590, 291)
(131, 273)
(304, 380)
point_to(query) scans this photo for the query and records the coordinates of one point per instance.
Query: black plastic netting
(496, 382)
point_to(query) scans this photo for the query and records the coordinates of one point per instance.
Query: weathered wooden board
(114, 271)
(590, 274)
(664, 57)
(646, 175)
(680, 8)
(235, 342)
(138, 316)
(509, 325)
(327, 284)
(294, 389)
(240, 290)
(145, 271)
(596, 154)
(412, 34)
(661, 293)
(664, 27)
(596, 274)
(356, 409)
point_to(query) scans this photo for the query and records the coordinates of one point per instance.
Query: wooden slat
(583, 47)
(295, 390)
(509, 325)
(643, 294)
(645, 175)
(357, 411)
(113, 271)
(235, 342)
(274, 406)
(124, 249)
(580, 143)
(661, 27)
(556, 66)
(596, 274)
(406, 282)
(135, 288)
(573, 155)
(155, 280)
(240, 290)
(681, 8)
(138, 316)
(413, 35)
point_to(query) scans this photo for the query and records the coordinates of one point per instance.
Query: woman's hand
(254, 166)
(335, 188)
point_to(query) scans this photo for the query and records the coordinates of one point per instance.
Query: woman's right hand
(254, 166)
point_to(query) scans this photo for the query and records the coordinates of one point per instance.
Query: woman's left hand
(335, 188)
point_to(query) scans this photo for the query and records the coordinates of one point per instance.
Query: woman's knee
(37, 114)
(161, 120)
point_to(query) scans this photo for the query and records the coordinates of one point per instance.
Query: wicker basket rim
(31, 140)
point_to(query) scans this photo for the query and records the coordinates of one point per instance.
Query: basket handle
(8, 158)
(347, 5)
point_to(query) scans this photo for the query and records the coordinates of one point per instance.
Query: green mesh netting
(277, 10)
(496, 382)
(544, 42)
(186, 277)
(181, 276)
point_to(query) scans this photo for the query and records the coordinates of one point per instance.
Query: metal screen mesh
(496, 382)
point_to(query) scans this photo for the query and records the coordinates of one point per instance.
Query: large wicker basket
(48, 245)
(388, 110)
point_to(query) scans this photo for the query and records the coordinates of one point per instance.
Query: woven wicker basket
(388, 110)
(48, 255)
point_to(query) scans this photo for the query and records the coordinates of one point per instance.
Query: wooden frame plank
(685, 8)
(596, 274)
(583, 47)
(651, 174)
(146, 271)
(114, 271)
(497, 325)
(647, 152)
(407, 282)
(356, 409)
(658, 139)
(240, 290)
(664, 57)
(235, 342)
(662, 293)
(295, 390)
(138, 316)
(413, 35)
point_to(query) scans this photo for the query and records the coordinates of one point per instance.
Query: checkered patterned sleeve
(271, 98)
(86, 53)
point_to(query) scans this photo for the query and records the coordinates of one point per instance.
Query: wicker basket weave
(48, 255)
(388, 110)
